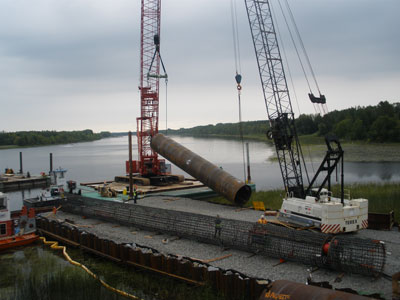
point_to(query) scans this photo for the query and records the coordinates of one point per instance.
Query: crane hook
(238, 79)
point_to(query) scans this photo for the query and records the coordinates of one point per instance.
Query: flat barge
(186, 227)
(231, 283)
(10, 183)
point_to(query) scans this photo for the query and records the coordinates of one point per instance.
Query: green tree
(385, 129)
(305, 124)
(358, 131)
(343, 128)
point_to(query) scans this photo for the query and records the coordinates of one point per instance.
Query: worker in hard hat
(262, 220)
(134, 195)
(218, 227)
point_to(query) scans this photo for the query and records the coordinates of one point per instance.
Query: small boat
(18, 230)
(52, 196)
(17, 241)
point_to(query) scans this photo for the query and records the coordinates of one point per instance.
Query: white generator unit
(326, 213)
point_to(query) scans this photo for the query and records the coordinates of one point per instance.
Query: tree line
(379, 123)
(229, 129)
(39, 138)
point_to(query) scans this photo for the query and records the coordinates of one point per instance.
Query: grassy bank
(356, 152)
(382, 197)
(314, 148)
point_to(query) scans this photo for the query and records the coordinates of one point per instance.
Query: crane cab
(323, 196)
(325, 212)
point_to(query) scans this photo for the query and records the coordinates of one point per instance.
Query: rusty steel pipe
(284, 289)
(212, 176)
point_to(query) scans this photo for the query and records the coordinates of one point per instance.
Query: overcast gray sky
(74, 64)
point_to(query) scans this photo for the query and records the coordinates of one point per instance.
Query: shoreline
(360, 151)
(313, 148)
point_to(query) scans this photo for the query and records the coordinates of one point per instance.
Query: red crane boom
(147, 124)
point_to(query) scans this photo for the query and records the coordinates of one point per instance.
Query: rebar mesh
(345, 253)
(352, 254)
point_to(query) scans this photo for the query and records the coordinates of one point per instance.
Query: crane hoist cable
(314, 99)
(235, 37)
(238, 79)
(157, 51)
(321, 99)
(286, 60)
(166, 106)
(165, 76)
(302, 45)
(238, 76)
(319, 103)
(295, 47)
(293, 87)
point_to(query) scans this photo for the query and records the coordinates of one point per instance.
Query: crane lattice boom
(276, 95)
(147, 123)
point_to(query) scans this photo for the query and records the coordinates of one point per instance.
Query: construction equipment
(147, 124)
(149, 168)
(233, 189)
(305, 206)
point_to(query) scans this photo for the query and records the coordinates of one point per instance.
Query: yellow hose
(54, 245)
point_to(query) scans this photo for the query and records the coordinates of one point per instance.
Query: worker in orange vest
(262, 220)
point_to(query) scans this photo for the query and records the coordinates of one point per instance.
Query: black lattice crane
(276, 95)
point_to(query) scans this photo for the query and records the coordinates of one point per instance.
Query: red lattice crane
(147, 124)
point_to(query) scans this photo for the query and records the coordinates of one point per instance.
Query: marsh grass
(40, 273)
(141, 283)
(272, 199)
(382, 197)
(314, 149)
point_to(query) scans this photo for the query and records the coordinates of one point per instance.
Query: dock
(17, 182)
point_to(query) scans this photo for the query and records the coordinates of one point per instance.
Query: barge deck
(10, 183)
(250, 263)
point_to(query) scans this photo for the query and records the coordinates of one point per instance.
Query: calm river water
(103, 159)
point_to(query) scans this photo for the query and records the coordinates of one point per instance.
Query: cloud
(81, 58)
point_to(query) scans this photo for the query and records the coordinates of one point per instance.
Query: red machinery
(147, 124)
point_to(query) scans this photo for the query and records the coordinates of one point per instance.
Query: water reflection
(102, 160)
(384, 171)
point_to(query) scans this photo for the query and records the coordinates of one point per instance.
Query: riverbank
(356, 152)
(44, 138)
(314, 148)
